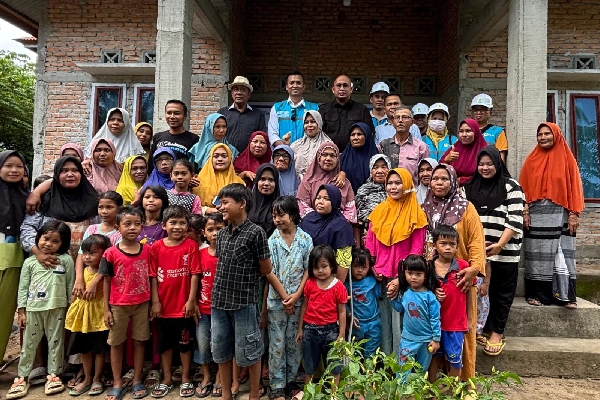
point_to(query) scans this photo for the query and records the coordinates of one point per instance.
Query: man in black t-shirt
(176, 138)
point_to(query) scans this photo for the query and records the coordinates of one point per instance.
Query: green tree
(17, 89)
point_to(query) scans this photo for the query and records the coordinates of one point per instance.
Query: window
(143, 104)
(550, 108)
(104, 97)
(585, 113)
(322, 83)
(112, 56)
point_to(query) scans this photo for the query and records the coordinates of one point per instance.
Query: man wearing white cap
(481, 111)
(242, 120)
(420, 112)
(387, 130)
(379, 92)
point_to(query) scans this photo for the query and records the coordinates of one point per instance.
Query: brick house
(538, 59)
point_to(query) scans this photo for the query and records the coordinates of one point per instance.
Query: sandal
(176, 377)
(128, 378)
(235, 395)
(76, 380)
(263, 391)
(198, 375)
(18, 389)
(116, 393)
(571, 306)
(534, 302)
(161, 390)
(500, 346)
(53, 385)
(107, 378)
(152, 379)
(243, 378)
(137, 388)
(217, 391)
(38, 377)
(96, 389)
(76, 393)
(186, 389)
(205, 390)
(481, 339)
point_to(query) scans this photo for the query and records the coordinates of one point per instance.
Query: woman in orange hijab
(554, 195)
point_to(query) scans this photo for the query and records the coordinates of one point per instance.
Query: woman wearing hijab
(118, 129)
(12, 213)
(283, 160)
(72, 149)
(213, 132)
(424, 171)
(163, 159)
(554, 195)
(354, 160)
(444, 205)
(397, 229)
(463, 154)
(144, 133)
(258, 152)
(323, 170)
(372, 192)
(217, 172)
(499, 201)
(135, 173)
(104, 172)
(306, 148)
(328, 226)
(264, 193)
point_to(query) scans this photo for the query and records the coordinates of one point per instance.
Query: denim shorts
(203, 355)
(316, 343)
(236, 333)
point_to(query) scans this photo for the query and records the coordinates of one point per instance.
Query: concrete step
(549, 357)
(520, 283)
(553, 321)
(588, 282)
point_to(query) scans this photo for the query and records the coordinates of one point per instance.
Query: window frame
(553, 95)
(137, 89)
(122, 87)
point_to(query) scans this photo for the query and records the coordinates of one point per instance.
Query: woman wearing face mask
(437, 137)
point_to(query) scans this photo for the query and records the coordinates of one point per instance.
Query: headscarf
(422, 189)
(487, 194)
(332, 229)
(72, 146)
(395, 220)
(306, 147)
(315, 177)
(70, 205)
(371, 194)
(211, 181)
(355, 161)
(199, 152)
(156, 177)
(127, 143)
(466, 165)
(436, 137)
(288, 180)
(449, 209)
(12, 211)
(146, 149)
(104, 178)
(553, 174)
(261, 213)
(140, 124)
(127, 186)
(246, 161)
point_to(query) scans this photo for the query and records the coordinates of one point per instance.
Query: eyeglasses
(285, 156)
(402, 117)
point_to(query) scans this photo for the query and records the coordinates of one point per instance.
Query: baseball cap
(420, 109)
(482, 100)
(380, 87)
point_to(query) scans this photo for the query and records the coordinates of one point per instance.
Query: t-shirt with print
(208, 266)
(453, 313)
(130, 283)
(173, 267)
(180, 144)
(322, 303)
(114, 236)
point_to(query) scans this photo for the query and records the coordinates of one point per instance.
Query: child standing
(127, 291)
(213, 223)
(365, 293)
(42, 301)
(323, 312)
(154, 200)
(181, 175)
(455, 315)
(86, 318)
(420, 311)
(290, 250)
(174, 272)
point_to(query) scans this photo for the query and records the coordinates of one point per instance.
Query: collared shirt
(337, 120)
(287, 117)
(378, 121)
(405, 155)
(239, 249)
(386, 130)
(240, 125)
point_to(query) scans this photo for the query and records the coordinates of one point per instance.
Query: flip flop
(76, 380)
(75, 393)
(139, 387)
(198, 375)
(217, 391)
(117, 393)
(128, 378)
(187, 387)
(481, 339)
(571, 306)
(96, 389)
(176, 377)
(534, 302)
(161, 390)
(205, 390)
(500, 347)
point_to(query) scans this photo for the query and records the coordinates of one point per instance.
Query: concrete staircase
(548, 341)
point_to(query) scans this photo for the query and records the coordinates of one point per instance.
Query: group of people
(334, 223)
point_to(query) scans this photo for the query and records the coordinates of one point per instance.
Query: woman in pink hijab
(105, 172)
(463, 154)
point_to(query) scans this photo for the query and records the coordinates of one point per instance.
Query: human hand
(392, 288)
(483, 289)
(248, 174)
(433, 346)
(356, 323)
(440, 295)
(468, 275)
(493, 249)
(108, 319)
(378, 277)
(573, 222)
(155, 310)
(191, 310)
(291, 300)
(90, 292)
(340, 179)
(299, 335)
(78, 287)
(286, 138)
(194, 182)
(452, 156)
(86, 165)
(47, 260)
(22, 321)
(526, 221)
(32, 204)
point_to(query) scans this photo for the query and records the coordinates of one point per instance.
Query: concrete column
(527, 79)
(173, 79)
(41, 95)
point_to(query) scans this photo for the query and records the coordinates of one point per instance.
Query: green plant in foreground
(382, 377)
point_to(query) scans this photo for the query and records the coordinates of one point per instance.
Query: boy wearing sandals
(174, 274)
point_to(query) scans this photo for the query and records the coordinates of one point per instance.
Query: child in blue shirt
(420, 311)
(365, 290)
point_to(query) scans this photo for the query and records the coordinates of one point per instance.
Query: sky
(9, 32)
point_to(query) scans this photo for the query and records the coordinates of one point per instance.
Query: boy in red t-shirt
(174, 276)
(126, 295)
(454, 314)
(213, 223)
